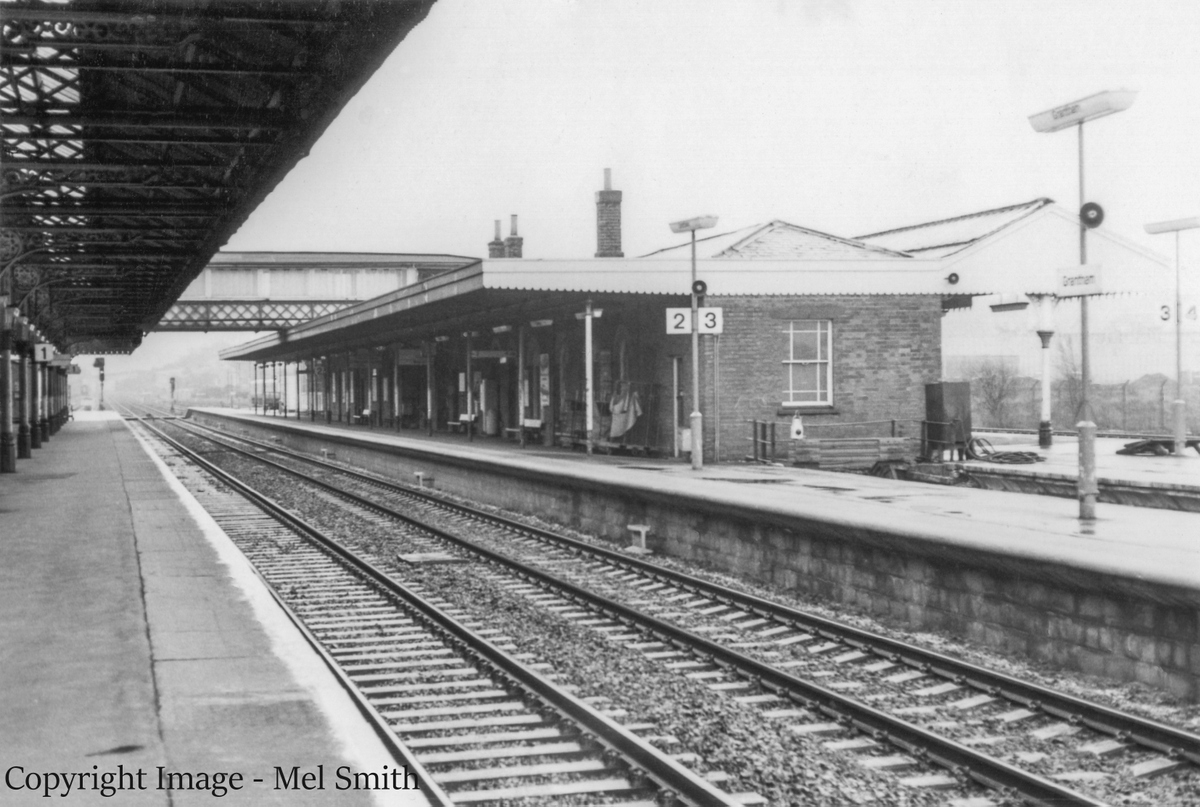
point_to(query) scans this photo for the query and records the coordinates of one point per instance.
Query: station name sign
(1079, 281)
(406, 357)
(1083, 110)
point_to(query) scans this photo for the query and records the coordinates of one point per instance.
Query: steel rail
(1174, 742)
(436, 795)
(1143, 731)
(984, 769)
(668, 774)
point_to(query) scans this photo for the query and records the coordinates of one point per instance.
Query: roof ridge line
(854, 242)
(700, 240)
(1035, 204)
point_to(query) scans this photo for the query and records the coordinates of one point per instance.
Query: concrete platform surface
(1062, 458)
(134, 635)
(1141, 544)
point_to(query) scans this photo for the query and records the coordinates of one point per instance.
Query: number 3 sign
(679, 320)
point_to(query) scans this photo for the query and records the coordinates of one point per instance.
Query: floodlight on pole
(1061, 117)
(1179, 405)
(697, 421)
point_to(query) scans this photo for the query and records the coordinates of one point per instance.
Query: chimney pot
(513, 244)
(496, 245)
(608, 220)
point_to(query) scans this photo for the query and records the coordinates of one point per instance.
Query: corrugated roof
(778, 239)
(937, 239)
(485, 288)
(735, 276)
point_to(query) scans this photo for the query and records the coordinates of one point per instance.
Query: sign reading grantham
(1083, 110)
(1079, 281)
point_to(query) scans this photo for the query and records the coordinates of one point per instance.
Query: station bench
(531, 426)
(460, 425)
(847, 453)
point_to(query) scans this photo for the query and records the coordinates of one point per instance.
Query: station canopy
(138, 136)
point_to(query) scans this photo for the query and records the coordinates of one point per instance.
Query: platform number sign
(679, 320)
(1164, 313)
(712, 320)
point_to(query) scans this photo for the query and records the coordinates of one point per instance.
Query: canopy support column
(521, 402)
(470, 391)
(430, 347)
(8, 442)
(24, 446)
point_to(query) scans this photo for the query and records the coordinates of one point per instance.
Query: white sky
(840, 115)
(848, 116)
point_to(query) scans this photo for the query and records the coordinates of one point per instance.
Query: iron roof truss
(137, 135)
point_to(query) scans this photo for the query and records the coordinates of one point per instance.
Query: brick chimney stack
(512, 244)
(608, 220)
(496, 246)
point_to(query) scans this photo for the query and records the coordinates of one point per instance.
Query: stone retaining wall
(1108, 625)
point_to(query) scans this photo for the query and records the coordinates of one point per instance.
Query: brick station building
(842, 332)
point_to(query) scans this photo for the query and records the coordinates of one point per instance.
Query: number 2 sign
(679, 320)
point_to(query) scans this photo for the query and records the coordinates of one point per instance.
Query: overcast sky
(846, 116)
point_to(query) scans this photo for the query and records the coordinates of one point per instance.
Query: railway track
(770, 658)
(469, 720)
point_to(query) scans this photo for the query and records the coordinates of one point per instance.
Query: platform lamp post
(98, 363)
(697, 421)
(1076, 114)
(1179, 405)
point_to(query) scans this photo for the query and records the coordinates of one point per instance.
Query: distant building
(843, 332)
(836, 330)
(1019, 249)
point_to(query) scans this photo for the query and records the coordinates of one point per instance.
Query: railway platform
(134, 638)
(1145, 480)
(1117, 597)
(1158, 538)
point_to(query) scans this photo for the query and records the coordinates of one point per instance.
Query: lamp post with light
(1076, 114)
(697, 421)
(1179, 405)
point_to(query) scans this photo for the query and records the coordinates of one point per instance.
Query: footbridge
(257, 291)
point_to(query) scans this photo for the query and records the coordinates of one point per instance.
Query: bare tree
(994, 384)
(1070, 386)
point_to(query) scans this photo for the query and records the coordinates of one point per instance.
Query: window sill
(788, 411)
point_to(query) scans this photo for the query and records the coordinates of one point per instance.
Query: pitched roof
(936, 239)
(778, 239)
